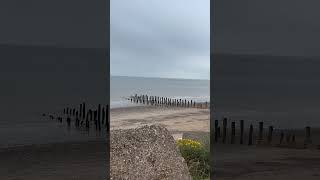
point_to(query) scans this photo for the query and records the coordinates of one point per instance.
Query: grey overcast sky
(160, 38)
(274, 27)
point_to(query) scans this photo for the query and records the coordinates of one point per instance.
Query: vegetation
(197, 157)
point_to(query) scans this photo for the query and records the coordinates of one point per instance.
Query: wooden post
(68, 121)
(260, 138)
(219, 132)
(107, 119)
(233, 132)
(224, 135)
(241, 131)
(281, 137)
(260, 131)
(250, 135)
(87, 120)
(80, 110)
(308, 135)
(99, 117)
(216, 124)
(84, 110)
(103, 116)
(270, 134)
(293, 138)
(95, 119)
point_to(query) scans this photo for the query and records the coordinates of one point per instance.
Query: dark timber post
(84, 110)
(216, 124)
(233, 132)
(270, 134)
(260, 132)
(281, 137)
(224, 130)
(99, 117)
(95, 119)
(103, 116)
(241, 131)
(308, 135)
(250, 135)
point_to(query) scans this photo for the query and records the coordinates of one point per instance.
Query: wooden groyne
(257, 135)
(167, 102)
(84, 118)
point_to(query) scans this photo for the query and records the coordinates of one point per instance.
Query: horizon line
(157, 77)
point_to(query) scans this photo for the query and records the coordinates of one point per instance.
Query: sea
(122, 87)
(281, 91)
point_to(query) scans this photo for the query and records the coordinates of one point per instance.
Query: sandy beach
(264, 163)
(64, 161)
(174, 119)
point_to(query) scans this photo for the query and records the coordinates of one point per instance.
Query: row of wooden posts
(290, 137)
(84, 117)
(168, 102)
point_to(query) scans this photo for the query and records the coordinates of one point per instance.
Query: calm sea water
(281, 91)
(122, 87)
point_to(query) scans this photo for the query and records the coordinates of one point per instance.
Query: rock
(146, 153)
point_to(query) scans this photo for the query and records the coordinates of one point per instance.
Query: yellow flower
(189, 143)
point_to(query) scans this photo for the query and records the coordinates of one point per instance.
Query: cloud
(160, 38)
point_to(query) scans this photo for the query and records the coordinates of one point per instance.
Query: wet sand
(63, 161)
(238, 162)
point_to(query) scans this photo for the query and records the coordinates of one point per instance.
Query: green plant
(196, 156)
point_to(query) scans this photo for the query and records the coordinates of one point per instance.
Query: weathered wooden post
(185, 103)
(260, 132)
(76, 122)
(95, 119)
(84, 110)
(308, 135)
(216, 124)
(233, 132)
(219, 132)
(293, 138)
(270, 134)
(80, 110)
(103, 116)
(68, 121)
(64, 110)
(250, 135)
(224, 135)
(87, 120)
(281, 137)
(241, 131)
(67, 110)
(99, 117)
(107, 119)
